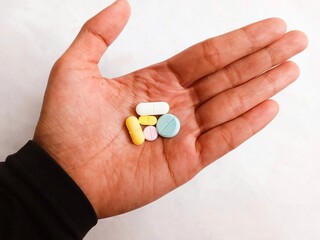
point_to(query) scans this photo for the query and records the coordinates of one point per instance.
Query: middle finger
(249, 67)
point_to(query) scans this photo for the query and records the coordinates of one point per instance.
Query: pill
(150, 133)
(148, 120)
(168, 126)
(135, 130)
(152, 108)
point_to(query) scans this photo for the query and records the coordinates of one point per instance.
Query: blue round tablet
(168, 126)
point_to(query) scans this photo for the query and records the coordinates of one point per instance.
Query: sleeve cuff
(54, 188)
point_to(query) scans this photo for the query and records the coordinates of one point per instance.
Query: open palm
(219, 90)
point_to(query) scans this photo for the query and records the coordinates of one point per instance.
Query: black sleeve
(38, 200)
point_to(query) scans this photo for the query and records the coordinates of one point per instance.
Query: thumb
(99, 32)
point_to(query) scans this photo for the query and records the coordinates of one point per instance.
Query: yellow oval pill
(135, 130)
(148, 120)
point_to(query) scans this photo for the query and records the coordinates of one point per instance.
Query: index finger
(213, 54)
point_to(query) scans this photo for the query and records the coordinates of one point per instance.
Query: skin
(219, 89)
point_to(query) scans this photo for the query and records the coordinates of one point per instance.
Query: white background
(267, 189)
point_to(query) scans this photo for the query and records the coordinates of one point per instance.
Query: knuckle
(58, 64)
(227, 138)
(271, 83)
(251, 43)
(233, 75)
(270, 56)
(250, 126)
(87, 25)
(237, 102)
(210, 52)
(61, 65)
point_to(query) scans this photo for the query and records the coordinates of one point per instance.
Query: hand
(219, 89)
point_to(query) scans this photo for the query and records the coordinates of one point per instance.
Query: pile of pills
(167, 125)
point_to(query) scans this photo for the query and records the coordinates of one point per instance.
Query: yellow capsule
(148, 120)
(135, 130)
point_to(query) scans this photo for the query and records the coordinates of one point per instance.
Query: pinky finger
(222, 139)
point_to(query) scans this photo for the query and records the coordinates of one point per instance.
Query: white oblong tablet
(152, 108)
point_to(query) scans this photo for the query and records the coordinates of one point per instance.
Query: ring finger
(234, 102)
